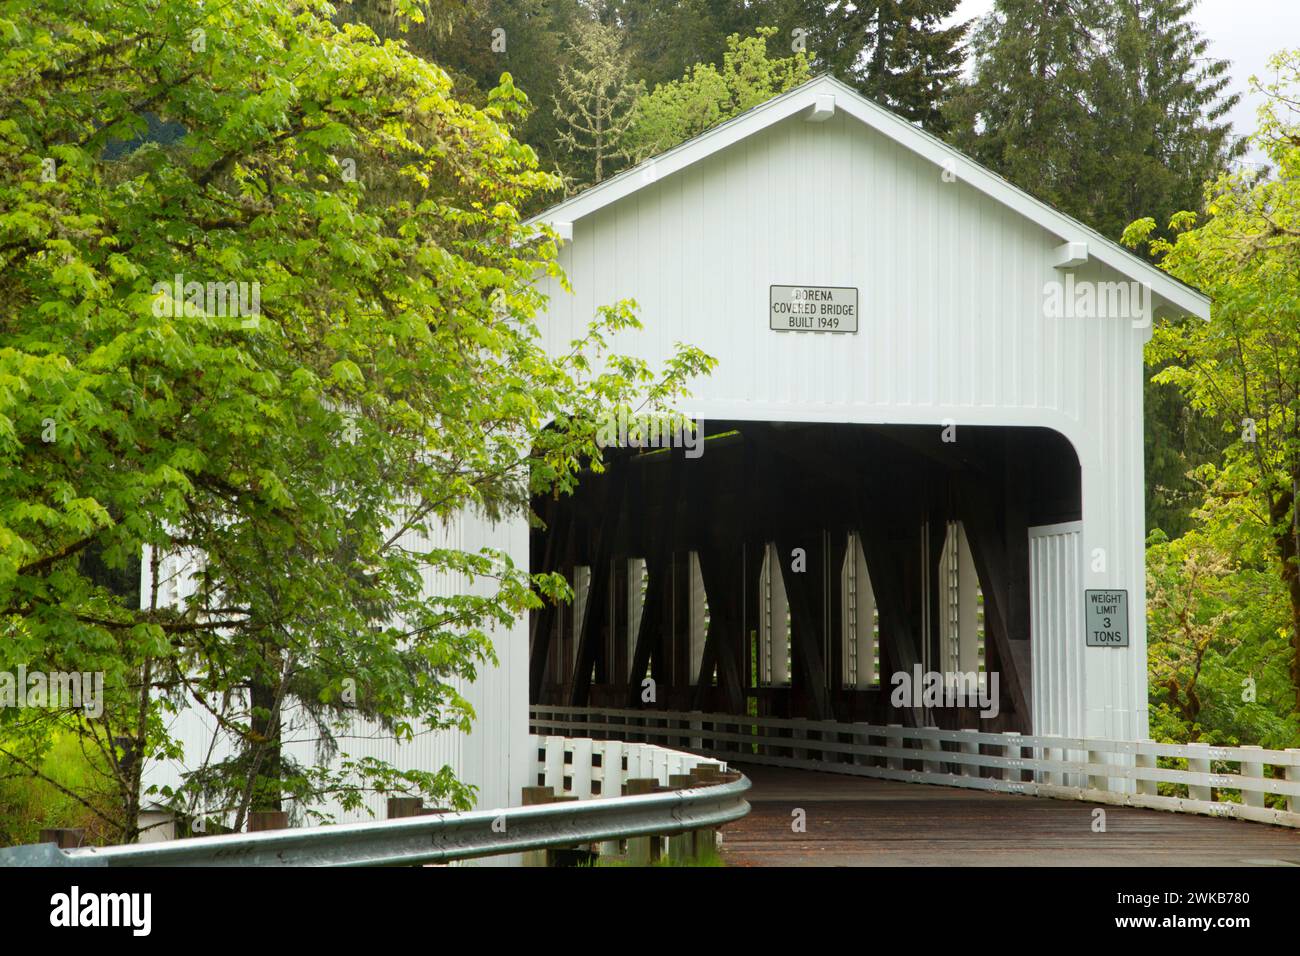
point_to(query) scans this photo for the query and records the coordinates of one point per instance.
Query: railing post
(1200, 765)
(1051, 754)
(1009, 750)
(931, 744)
(970, 746)
(799, 733)
(892, 739)
(1097, 781)
(1293, 774)
(580, 769)
(1146, 762)
(611, 768)
(1250, 796)
(695, 742)
(553, 767)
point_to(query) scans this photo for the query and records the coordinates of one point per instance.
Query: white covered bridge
(910, 545)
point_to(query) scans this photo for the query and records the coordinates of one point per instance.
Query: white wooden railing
(1246, 783)
(585, 768)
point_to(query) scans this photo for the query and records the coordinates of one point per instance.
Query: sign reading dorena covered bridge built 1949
(812, 308)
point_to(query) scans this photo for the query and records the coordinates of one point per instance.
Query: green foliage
(56, 799)
(898, 52)
(483, 39)
(1106, 111)
(1217, 643)
(594, 101)
(1241, 370)
(666, 39)
(303, 453)
(706, 95)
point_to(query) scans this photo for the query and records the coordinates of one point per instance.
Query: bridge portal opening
(830, 571)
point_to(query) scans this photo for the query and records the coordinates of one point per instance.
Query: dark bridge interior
(792, 568)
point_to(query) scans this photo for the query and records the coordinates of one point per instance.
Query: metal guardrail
(430, 839)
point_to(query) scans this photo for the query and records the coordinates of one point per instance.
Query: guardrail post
(65, 838)
(1250, 796)
(405, 807)
(533, 796)
(259, 820)
(642, 850)
(555, 856)
(681, 846)
(1200, 765)
(707, 775)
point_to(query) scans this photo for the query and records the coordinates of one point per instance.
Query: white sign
(812, 308)
(1105, 618)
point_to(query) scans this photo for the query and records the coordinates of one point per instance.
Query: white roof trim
(807, 98)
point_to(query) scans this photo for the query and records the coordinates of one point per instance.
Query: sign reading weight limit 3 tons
(1105, 618)
(812, 308)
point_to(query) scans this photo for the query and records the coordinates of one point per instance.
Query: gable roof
(812, 96)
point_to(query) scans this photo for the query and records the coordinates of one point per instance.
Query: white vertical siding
(1056, 628)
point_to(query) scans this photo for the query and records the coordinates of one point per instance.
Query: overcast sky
(1244, 32)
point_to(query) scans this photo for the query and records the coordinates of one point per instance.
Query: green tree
(594, 101)
(706, 95)
(1107, 111)
(476, 40)
(898, 52)
(1217, 641)
(1242, 368)
(665, 38)
(299, 438)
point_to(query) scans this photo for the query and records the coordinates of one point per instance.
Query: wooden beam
(558, 532)
(983, 521)
(654, 612)
(805, 630)
(722, 569)
(584, 657)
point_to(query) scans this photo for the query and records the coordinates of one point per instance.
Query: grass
(29, 805)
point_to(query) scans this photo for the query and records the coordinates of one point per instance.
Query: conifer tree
(904, 54)
(594, 100)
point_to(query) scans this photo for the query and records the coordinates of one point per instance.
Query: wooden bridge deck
(854, 821)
